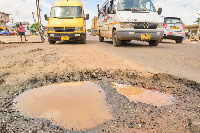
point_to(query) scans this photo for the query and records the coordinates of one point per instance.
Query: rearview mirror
(87, 17)
(45, 17)
(159, 11)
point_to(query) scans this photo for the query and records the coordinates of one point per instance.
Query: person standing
(21, 31)
(41, 32)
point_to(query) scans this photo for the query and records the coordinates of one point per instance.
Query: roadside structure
(194, 30)
(4, 19)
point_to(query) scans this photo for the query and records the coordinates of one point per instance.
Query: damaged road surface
(89, 88)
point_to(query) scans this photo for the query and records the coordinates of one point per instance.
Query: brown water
(139, 94)
(77, 105)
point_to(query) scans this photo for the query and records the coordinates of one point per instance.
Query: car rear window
(173, 21)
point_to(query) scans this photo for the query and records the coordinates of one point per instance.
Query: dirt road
(178, 59)
(25, 66)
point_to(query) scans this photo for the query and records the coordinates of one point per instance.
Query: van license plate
(145, 37)
(64, 38)
(174, 27)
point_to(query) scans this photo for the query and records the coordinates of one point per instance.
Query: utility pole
(38, 12)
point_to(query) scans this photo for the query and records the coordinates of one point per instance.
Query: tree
(35, 25)
(197, 21)
(88, 30)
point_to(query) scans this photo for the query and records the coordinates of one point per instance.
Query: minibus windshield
(135, 5)
(66, 12)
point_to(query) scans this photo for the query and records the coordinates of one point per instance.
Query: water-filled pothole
(139, 94)
(77, 105)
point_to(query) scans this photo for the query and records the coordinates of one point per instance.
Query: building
(194, 30)
(4, 19)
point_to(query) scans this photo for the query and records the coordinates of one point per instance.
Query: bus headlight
(160, 25)
(126, 25)
(50, 29)
(78, 28)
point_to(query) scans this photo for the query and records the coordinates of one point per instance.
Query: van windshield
(173, 21)
(135, 5)
(66, 12)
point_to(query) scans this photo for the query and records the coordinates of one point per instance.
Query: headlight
(50, 29)
(160, 25)
(78, 28)
(126, 25)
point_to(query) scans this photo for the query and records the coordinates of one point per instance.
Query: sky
(21, 10)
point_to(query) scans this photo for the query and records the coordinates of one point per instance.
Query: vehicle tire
(52, 42)
(179, 40)
(83, 41)
(161, 40)
(116, 41)
(101, 39)
(153, 43)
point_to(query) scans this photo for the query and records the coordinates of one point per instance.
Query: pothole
(74, 105)
(139, 94)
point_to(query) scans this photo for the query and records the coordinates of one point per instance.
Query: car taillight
(183, 26)
(165, 25)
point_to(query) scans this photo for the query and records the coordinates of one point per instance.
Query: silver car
(174, 29)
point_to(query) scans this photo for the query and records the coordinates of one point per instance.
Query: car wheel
(153, 43)
(179, 40)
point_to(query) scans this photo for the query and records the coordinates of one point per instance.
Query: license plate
(174, 27)
(145, 37)
(64, 38)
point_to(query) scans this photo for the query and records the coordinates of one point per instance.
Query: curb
(17, 42)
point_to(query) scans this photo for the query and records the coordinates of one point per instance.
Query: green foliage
(35, 25)
(88, 30)
(197, 21)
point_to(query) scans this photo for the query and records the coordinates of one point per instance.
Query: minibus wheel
(52, 42)
(116, 41)
(83, 41)
(153, 42)
(101, 39)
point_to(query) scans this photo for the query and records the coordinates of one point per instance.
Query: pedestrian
(41, 32)
(21, 31)
(199, 35)
(188, 35)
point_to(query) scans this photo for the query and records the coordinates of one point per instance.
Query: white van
(126, 20)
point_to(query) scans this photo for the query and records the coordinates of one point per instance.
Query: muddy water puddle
(77, 105)
(139, 94)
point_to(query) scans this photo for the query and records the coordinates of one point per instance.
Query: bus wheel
(153, 42)
(101, 39)
(116, 41)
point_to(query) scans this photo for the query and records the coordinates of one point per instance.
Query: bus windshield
(135, 5)
(66, 12)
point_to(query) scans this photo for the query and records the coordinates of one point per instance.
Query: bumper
(136, 34)
(71, 36)
(173, 37)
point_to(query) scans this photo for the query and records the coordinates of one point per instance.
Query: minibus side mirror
(87, 17)
(46, 18)
(159, 11)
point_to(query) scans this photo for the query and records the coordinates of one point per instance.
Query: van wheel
(101, 39)
(116, 41)
(153, 43)
(179, 40)
(52, 42)
(83, 41)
